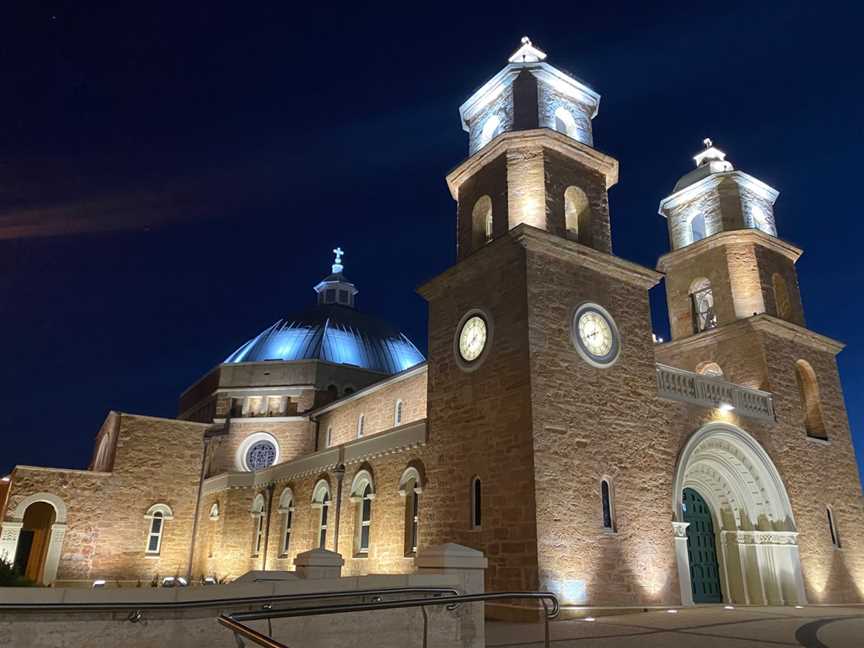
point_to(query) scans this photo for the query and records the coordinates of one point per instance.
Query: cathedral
(546, 426)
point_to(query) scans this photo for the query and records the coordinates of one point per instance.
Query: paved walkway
(700, 627)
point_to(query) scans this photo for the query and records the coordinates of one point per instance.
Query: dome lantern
(335, 288)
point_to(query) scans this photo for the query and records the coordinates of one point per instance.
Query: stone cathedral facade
(546, 426)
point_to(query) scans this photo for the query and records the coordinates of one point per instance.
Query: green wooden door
(701, 549)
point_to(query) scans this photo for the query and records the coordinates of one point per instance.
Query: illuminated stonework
(586, 459)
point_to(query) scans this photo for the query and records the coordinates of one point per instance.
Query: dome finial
(337, 264)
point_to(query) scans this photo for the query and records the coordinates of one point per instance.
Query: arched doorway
(32, 535)
(33, 541)
(745, 501)
(701, 549)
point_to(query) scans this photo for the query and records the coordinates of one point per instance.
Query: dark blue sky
(172, 179)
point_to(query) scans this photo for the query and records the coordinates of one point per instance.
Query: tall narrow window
(156, 517)
(781, 297)
(566, 123)
(361, 424)
(258, 516)
(811, 403)
(832, 527)
(606, 502)
(491, 127)
(697, 228)
(482, 222)
(410, 488)
(154, 538)
(362, 494)
(322, 525)
(577, 216)
(702, 305)
(286, 508)
(476, 503)
(321, 500)
(329, 435)
(365, 520)
(397, 414)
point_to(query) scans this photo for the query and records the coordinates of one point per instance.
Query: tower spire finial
(712, 156)
(527, 53)
(337, 264)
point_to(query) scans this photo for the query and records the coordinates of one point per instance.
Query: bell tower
(531, 158)
(727, 262)
(530, 332)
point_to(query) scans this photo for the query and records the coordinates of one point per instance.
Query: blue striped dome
(333, 333)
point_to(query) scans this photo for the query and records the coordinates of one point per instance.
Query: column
(9, 533)
(52, 557)
(683, 561)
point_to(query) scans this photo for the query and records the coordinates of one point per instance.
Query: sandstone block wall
(480, 422)
(593, 423)
(378, 408)
(155, 461)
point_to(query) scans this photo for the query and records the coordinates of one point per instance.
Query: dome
(333, 333)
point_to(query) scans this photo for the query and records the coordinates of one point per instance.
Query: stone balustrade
(710, 391)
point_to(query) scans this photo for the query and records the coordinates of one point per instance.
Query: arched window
(781, 296)
(566, 123)
(361, 424)
(832, 528)
(321, 500)
(362, 494)
(157, 515)
(607, 506)
(697, 228)
(410, 488)
(286, 508)
(702, 305)
(577, 215)
(214, 511)
(709, 369)
(491, 127)
(258, 515)
(476, 503)
(482, 222)
(329, 441)
(397, 413)
(810, 400)
(759, 219)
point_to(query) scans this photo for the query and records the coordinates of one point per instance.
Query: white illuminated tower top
(527, 94)
(715, 197)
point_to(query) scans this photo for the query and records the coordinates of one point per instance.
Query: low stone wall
(199, 628)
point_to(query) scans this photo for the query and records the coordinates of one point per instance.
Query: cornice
(751, 235)
(542, 137)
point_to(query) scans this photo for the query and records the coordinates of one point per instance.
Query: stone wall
(156, 461)
(480, 421)
(593, 423)
(378, 407)
(294, 437)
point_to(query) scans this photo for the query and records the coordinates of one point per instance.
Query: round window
(595, 335)
(260, 454)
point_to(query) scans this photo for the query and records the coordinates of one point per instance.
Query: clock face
(595, 335)
(472, 338)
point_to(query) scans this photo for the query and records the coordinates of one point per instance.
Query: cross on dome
(527, 53)
(337, 264)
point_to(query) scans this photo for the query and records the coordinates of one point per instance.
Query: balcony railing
(708, 391)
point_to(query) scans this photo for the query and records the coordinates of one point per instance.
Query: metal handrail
(139, 606)
(233, 621)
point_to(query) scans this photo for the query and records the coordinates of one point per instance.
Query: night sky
(172, 179)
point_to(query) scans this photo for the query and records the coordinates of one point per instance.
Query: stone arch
(781, 296)
(702, 311)
(490, 129)
(756, 536)
(577, 215)
(709, 368)
(566, 123)
(53, 532)
(811, 401)
(482, 222)
(53, 500)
